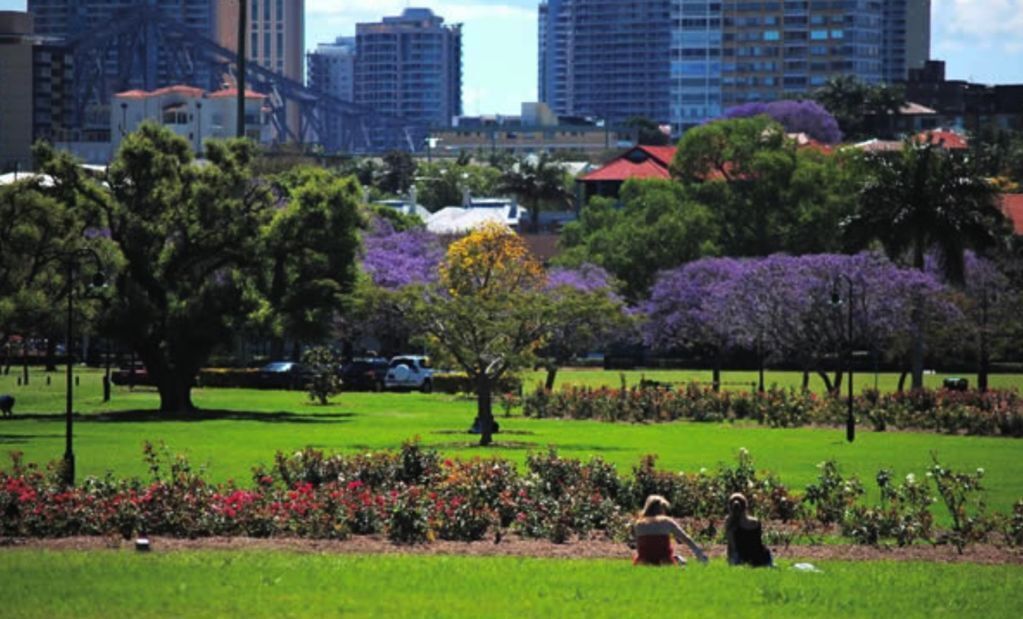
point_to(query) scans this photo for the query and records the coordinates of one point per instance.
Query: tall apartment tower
(332, 68)
(684, 61)
(410, 66)
(276, 34)
(907, 37)
(605, 58)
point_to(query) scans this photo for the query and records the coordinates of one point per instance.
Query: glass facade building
(684, 61)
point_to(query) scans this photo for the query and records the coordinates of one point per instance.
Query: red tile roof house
(637, 162)
(645, 162)
(1012, 206)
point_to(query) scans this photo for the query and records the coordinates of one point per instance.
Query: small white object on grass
(807, 567)
(142, 544)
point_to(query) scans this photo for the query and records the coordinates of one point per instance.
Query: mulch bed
(517, 547)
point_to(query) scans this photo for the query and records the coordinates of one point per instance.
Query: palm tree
(535, 185)
(923, 199)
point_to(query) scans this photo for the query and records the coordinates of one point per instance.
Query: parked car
(410, 372)
(364, 374)
(284, 375)
(131, 376)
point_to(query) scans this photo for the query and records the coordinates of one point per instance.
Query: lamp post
(124, 119)
(850, 422)
(198, 120)
(71, 260)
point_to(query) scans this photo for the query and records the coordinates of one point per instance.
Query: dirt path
(591, 549)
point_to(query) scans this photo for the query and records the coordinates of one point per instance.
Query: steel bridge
(145, 48)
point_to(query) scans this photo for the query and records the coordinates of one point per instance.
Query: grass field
(241, 428)
(279, 584)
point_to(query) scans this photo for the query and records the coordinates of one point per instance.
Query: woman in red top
(654, 531)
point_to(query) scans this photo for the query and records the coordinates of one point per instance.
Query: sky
(979, 39)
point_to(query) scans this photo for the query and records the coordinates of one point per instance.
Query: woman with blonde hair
(745, 535)
(654, 531)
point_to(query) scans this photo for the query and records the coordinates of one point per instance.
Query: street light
(836, 300)
(198, 120)
(71, 261)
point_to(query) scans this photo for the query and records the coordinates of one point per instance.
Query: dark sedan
(364, 374)
(283, 375)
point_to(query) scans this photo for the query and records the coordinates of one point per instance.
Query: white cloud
(991, 24)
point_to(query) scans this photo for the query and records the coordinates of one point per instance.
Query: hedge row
(443, 382)
(994, 413)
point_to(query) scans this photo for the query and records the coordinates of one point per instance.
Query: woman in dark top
(744, 535)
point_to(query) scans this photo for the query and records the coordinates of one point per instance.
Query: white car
(410, 372)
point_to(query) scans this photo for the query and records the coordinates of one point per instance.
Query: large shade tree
(310, 250)
(188, 236)
(658, 227)
(926, 199)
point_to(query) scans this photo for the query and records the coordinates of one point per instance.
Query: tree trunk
(24, 362)
(552, 374)
(51, 353)
(175, 393)
(838, 383)
(716, 376)
(484, 410)
(806, 380)
(918, 318)
(902, 381)
(827, 381)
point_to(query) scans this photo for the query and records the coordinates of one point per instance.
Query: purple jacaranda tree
(990, 306)
(398, 259)
(807, 117)
(791, 307)
(393, 262)
(585, 313)
(693, 307)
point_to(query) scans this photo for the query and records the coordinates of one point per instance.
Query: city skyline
(977, 38)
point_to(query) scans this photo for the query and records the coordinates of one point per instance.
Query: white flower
(911, 479)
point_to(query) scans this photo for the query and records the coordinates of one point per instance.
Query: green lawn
(242, 428)
(277, 584)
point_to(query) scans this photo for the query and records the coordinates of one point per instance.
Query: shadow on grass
(147, 416)
(18, 439)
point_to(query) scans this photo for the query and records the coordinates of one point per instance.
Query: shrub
(833, 494)
(904, 514)
(961, 494)
(324, 381)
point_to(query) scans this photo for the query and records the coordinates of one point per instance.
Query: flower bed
(415, 496)
(994, 413)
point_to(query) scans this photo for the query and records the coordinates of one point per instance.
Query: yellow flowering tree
(489, 313)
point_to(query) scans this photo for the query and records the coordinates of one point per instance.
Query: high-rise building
(37, 99)
(684, 61)
(332, 72)
(410, 66)
(332, 68)
(276, 34)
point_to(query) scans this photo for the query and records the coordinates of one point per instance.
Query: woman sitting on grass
(745, 536)
(653, 531)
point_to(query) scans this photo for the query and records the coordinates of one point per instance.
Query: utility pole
(243, 23)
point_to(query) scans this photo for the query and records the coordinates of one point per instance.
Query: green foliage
(766, 195)
(961, 494)
(37, 234)
(310, 254)
(399, 173)
(862, 110)
(442, 184)
(904, 514)
(324, 382)
(189, 238)
(658, 227)
(922, 199)
(538, 185)
(833, 494)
